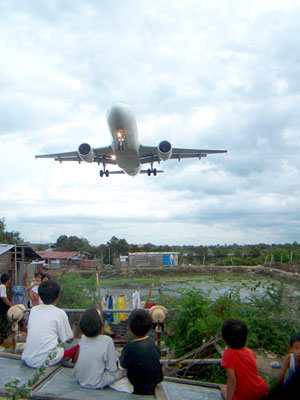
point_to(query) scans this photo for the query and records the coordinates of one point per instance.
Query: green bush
(194, 318)
(77, 292)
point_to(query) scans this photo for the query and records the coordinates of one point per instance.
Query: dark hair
(38, 274)
(49, 291)
(139, 322)
(4, 278)
(90, 323)
(234, 332)
(294, 338)
(44, 275)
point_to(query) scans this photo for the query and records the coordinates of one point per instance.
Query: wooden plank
(190, 382)
(160, 392)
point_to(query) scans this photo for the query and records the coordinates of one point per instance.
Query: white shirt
(96, 366)
(47, 325)
(35, 289)
(3, 292)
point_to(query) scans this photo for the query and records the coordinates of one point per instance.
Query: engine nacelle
(164, 150)
(86, 153)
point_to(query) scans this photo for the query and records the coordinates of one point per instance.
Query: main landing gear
(151, 170)
(104, 172)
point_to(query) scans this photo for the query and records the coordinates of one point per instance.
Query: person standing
(5, 304)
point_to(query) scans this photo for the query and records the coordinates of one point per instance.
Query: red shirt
(249, 385)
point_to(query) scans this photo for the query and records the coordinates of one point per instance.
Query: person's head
(5, 279)
(234, 332)
(38, 277)
(49, 291)
(91, 323)
(45, 277)
(295, 344)
(139, 322)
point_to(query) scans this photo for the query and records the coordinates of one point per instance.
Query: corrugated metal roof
(5, 247)
(28, 251)
(58, 255)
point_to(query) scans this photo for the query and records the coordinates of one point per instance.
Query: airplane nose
(116, 112)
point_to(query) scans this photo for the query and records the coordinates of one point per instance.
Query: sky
(212, 75)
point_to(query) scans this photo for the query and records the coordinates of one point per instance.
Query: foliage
(16, 390)
(194, 318)
(77, 292)
(8, 237)
(71, 243)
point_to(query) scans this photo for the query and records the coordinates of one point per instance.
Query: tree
(71, 243)
(9, 237)
(117, 246)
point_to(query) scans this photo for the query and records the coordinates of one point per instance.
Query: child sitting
(243, 380)
(291, 363)
(96, 366)
(141, 356)
(47, 326)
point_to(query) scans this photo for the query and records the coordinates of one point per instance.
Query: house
(13, 261)
(153, 259)
(68, 259)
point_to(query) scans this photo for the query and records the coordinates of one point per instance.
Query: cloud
(198, 75)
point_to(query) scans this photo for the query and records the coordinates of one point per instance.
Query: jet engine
(86, 153)
(164, 150)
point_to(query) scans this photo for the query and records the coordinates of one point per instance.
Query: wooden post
(149, 294)
(15, 264)
(99, 293)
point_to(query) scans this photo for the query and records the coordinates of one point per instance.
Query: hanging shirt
(122, 306)
(116, 307)
(136, 300)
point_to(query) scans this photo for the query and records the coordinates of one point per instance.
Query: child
(243, 380)
(47, 326)
(141, 356)
(291, 363)
(33, 290)
(96, 366)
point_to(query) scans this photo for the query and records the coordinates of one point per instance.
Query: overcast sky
(216, 75)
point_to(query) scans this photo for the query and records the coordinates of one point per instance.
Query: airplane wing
(101, 155)
(149, 154)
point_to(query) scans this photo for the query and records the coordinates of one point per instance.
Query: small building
(13, 260)
(153, 259)
(68, 259)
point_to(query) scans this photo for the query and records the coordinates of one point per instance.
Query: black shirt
(141, 359)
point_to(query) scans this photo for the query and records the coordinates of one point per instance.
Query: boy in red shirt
(243, 380)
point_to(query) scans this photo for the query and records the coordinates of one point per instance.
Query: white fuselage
(125, 144)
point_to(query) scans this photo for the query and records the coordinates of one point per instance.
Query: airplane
(125, 150)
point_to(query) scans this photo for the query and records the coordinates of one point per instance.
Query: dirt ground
(265, 360)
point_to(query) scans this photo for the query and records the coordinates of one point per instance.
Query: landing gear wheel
(154, 172)
(101, 173)
(149, 171)
(107, 173)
